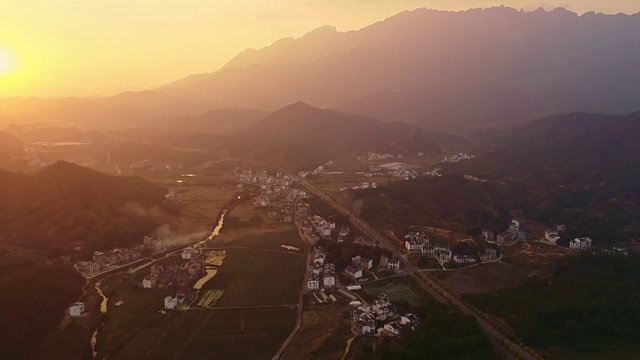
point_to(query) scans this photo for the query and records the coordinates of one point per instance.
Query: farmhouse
(353, 271)
(551, 236)
(170, 303)
(393, 327)
(76, 309)
(189, 253)
(150, 281)
(314, 281)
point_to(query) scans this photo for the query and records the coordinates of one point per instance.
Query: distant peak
(298, 105)
(322, 31)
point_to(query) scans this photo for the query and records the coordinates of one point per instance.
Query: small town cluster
(417, 242)
(108, 260)
(382, 317)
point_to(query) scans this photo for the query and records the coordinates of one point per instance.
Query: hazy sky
(63, 47)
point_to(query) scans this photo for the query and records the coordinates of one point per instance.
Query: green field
(200, 207)
(396, 290)
(271, 237)
(136, 330)
(258, 277)
(208, 334)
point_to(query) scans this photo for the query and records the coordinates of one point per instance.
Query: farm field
(224, 334)
(396, 290)
(268, 236)
(200, 207)
(251, 277)
(322, 335)
(196, 334)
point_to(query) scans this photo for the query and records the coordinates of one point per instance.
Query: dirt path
(346, 350)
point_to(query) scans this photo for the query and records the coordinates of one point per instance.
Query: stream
(210, 273)
(103, 310)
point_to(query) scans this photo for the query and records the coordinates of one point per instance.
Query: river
(103, 310)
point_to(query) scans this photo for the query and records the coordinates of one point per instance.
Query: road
(499, 340)
(303, 286)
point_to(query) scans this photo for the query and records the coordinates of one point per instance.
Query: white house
(393, 327)
(170, 303)
(353, 271)
(313, 284)
(149, 281)
(329, 280)
(189, 253)
(76, 309)
(368, 328)
(582, 244)
(413, 245)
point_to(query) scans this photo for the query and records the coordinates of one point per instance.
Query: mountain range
(453, 71)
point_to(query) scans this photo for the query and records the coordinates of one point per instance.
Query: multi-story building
(581, 244)
(329, 275)
(150, 281)
(488, 235)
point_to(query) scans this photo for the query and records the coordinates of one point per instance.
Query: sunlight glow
(6, 63)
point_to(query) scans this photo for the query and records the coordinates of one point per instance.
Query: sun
(6, 64)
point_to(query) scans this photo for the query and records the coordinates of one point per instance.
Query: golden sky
(83, 47)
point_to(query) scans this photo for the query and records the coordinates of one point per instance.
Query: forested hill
(66, 205)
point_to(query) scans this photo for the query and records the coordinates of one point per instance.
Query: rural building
(353, 271)
(329, 275)
(391, 264)
(489, 255)
(361, 262)
(488, 235)
(444, 255)
(551, 236)
(464, 259)
(170, 303)
(150, 281)
(581, 244)
(313, 283)
(393, 327)
(189, 253)
(76, 309)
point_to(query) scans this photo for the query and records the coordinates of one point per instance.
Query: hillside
(576, 168)
(449, 202)
(10, 148)
(66, 205)
(300, 136)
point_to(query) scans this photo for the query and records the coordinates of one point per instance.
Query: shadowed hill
(301, 136)
(66, 205)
